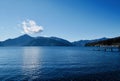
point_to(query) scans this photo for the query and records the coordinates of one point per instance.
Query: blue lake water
(58, 64)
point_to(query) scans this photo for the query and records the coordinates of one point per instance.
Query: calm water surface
(58, 64)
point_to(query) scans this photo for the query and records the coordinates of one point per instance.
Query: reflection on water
(57, 63)
(31, 61)
(31, 57)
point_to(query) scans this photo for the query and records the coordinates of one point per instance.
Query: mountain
(49, 41)
(84, 42)
(26, 40)
(109, 42)
(19, 41)
(1, 44)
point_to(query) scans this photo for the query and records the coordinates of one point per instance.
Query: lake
(58, 64)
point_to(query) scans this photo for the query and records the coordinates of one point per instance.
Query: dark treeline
(109, 42)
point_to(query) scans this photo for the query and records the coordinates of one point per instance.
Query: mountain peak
(25, 35)
(26, 40)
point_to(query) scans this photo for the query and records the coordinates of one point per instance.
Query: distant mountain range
(49, 41)
(84, 42)
(26, 40)
(109, 42)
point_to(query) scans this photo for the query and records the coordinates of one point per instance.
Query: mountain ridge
(26, 40)
(109, 42)
(84, 42)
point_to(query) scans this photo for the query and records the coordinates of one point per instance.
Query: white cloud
(30, 27)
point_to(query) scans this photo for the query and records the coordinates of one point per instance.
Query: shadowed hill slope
(26, 40)
(109, 42)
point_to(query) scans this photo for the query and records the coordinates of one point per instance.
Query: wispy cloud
(30, 27)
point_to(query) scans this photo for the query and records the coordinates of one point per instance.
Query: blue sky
(69, 19)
